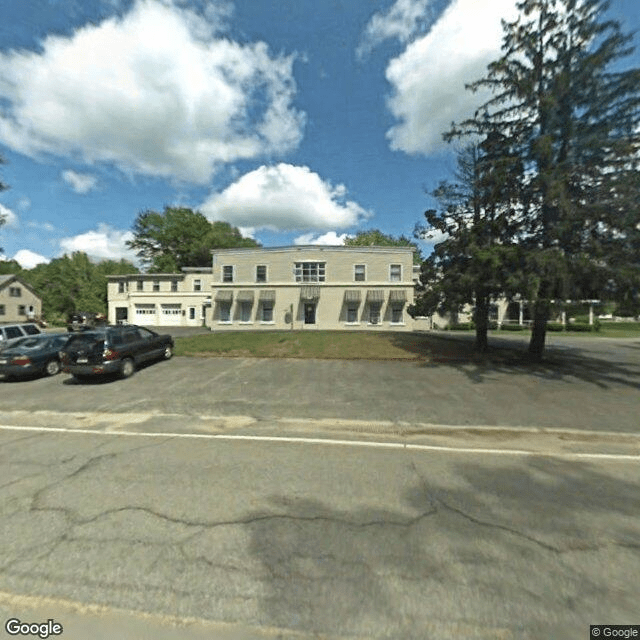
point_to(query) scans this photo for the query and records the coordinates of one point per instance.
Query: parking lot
(586, 385)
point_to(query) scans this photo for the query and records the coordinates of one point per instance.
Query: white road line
(328, 442)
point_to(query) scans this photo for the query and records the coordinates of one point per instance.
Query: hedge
(513, 327)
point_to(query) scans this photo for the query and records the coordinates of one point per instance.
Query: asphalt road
(238, 498)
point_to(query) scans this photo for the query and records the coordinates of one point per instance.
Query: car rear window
(31, 329)
(87, 339)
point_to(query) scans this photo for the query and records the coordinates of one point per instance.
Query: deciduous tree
(180, 237)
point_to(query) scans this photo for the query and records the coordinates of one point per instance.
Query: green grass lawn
(347, 345)
(607, 330)
(351, 345)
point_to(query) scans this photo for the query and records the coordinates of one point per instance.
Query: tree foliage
(572, 121)
(375, 237)
(73, 283)
(476, 261)
(179, 237)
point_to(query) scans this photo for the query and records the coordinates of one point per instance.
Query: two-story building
(18, 301)
(312, 287)
(295, 287)
(160, 299)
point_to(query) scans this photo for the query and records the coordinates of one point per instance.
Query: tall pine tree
(567, 109)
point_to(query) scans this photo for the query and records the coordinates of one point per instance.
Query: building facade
(18, 301)
(312, 287)
(297, 287)
(160, 299)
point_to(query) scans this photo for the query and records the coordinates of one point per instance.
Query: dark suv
(113, 349)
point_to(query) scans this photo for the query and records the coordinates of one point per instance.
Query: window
(197, 285)
(156, 285)
(15, 292)
(140, 285)
(30, 330)
(359, 274)
(261, 273)
(22, 310)
(374, 313)
(245, 311)
(225, 311)
(396, 314)
(192, 313)
(267, 312)
(352, 313)
(174, 285)
(121, 288)
(13, 332)
(310, 271)
(146, 309)
(395, 272)
(2, 310)
(227, 273)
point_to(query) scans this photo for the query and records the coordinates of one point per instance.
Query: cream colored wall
(331, 310)
(12, 304)
(185, 296)
(339, 266)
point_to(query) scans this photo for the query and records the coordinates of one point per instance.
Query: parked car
(83, 320)
(113, 349)
(33, 355)
(9, 333)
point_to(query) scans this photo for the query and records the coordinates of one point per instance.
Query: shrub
(555, 326)
(513, 327)
(462, 326)
(582, 326)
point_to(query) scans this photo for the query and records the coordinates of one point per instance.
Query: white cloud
(80, 182)
(104, 243)
(283, 198)
(28, 259)
(330, 238)
(155, 92)
(10, 218)
(47, 226)
(428, 78)
(402, 21)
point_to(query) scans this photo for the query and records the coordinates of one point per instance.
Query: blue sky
(297, 121)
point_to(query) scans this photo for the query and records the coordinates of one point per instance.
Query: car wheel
(52, 367)
(168, 352)
(127, 368)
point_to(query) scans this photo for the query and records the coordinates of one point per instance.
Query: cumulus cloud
(428, 78)
(104, 243)
(28, 259)
(9, 217)
(156, 92)
(402, 21)
(330, 238)
(283, 198)
(80, 182)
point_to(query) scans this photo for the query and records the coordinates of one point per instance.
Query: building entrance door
(309, 312)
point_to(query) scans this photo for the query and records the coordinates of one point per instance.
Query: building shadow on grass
(566, 363)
